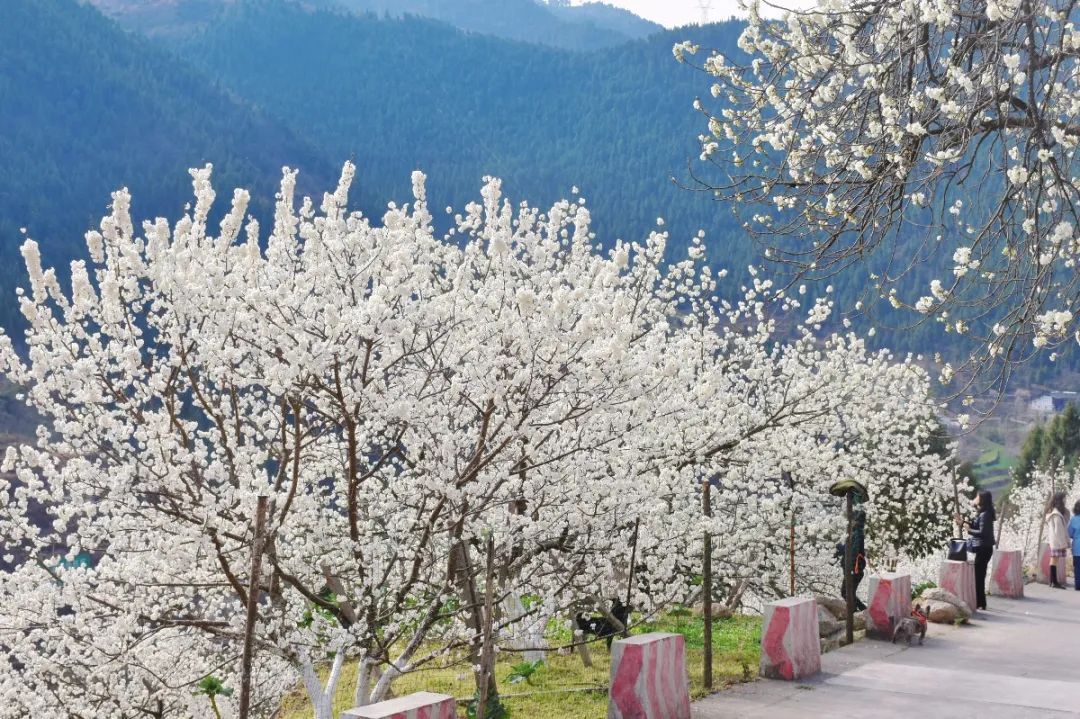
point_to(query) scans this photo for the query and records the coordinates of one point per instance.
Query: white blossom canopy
(932, 141)
(508, 411)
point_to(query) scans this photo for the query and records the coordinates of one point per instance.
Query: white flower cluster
(1052, 325)
(1027, 507)
(850, 158)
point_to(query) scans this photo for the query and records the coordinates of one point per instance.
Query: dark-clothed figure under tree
(858, 557)
(981, 542)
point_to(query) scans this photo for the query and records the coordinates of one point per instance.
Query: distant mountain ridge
(401, 93)
(574, 27)
(582, 27)
(609, 16)
(89, 108)
(86, 109)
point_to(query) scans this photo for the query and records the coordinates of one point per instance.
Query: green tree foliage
(212, 687)
(1053, 445)
(1030, 455)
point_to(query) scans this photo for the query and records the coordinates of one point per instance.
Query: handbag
(958, 549)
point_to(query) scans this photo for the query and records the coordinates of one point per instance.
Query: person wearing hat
(858, 557)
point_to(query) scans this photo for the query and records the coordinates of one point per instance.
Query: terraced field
(994, 466)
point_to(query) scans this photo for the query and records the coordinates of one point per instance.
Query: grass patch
(564, 688)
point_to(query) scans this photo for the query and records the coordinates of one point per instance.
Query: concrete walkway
(1019, 659)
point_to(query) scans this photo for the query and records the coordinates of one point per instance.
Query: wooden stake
(252, 606)
(849, 566)
(487, 652)
(706, 589)
(630, 578)
(791, 538)
(1001, 521)
(791, 557)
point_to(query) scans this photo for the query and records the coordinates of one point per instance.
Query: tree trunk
(581, 645)
(465, 580)
(734, 598)
(364, 677)
(383, 684)
(791, 538)
(252, 606)
(486, 685)
(1001, 522)
(322, 698)
(630, 576)
(528, 632)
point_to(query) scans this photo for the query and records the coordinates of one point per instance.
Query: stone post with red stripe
(790, 646)
(889, 602)
(648, 678)
(1007, 579)
(959, 578)
(421, 705)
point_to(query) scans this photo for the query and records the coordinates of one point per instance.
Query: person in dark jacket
(858, 556)
(981, 542)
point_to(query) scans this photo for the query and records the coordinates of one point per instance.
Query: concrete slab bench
(889, 601)
(958, 578)
(790, 648)
(1007, 578)
(648, 678)
(421, 705)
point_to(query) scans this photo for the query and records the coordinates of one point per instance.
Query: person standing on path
(858, 557)
(1057, 518)
(1074, 534)
(981, 542)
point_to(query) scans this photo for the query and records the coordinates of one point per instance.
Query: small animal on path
(908, 627)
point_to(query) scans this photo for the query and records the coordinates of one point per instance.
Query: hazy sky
(679, 12)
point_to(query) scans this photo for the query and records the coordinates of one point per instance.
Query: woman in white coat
(1057, 533)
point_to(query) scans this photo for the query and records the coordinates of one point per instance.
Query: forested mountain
(580, 27)
(104, 109)
(100, 108)
(607, 16)
(160, 17)
(86, 109)
(563, 26)
(403, 93)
